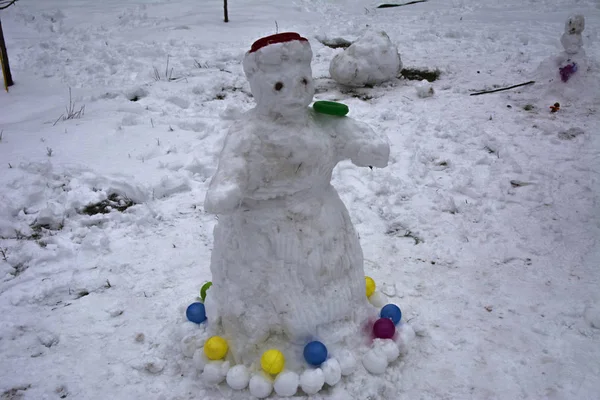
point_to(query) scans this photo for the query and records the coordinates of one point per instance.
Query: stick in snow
(506, 88)
(400, 5)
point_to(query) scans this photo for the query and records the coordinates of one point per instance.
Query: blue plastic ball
(392, 312)
(315, 353)
(196, 313)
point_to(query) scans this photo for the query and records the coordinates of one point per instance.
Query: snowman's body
(286, 257)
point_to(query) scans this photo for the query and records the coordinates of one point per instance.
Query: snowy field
(485, 227)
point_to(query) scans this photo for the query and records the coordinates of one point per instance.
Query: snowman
(286, 259)
(571, 38)
(573, 57)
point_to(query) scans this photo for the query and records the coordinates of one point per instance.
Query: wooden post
(225, 10)
(4, 61)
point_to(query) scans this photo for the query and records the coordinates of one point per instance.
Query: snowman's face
(575, 24)
(284, 90)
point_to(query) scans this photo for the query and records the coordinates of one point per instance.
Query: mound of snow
(371, 60)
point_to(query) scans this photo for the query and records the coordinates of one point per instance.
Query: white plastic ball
(238, 377)
(389, 347)
(215, 372)
(375, 361)
(332, 371)
(286, 383)
(260, 386)
(378, 299)
(347, 362)
(200, 359)
(312, 380)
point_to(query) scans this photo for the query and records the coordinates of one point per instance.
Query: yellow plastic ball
(370, 283)
(272, 361)
(215, 348)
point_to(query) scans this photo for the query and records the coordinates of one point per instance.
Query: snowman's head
(278, 69)
(575, 24)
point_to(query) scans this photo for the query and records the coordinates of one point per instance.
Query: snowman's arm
(362, 145)
(228, 186)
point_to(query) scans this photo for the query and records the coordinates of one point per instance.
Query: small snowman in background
(571, 38)
(572, 43)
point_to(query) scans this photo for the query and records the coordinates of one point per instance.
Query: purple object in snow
(384, 328)
(567, 71)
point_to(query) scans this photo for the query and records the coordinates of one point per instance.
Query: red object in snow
(277, 38)
(554, 108)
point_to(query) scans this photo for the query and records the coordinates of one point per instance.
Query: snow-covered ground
(485, 227)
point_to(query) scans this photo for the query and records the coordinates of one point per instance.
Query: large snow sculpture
(286, 260)
(371, 60)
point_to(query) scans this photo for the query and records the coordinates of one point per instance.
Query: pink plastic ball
(384, 328)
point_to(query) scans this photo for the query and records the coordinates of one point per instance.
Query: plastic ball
(286, 383)
(315, 353)
(392, 312)
(370, 285)
(203, 290)
(272, 361)
(260, 386)
(215, 348)
(196, 313)
(238, 377)
(384, 328)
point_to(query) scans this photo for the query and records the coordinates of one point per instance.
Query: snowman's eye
(304, 81)
(278, 86)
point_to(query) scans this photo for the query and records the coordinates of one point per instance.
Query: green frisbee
(331, 108)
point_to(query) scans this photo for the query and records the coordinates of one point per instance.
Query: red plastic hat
(277, 38)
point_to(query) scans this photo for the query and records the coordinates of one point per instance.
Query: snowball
(189, 344)
(332, 371)
(406, 333)
(200, 359)
(347, 362)
(286, 383)
(375, 361)
(215, 372)
(424, 89)
(312, 380)
(378, 299)
(260, 386)
(371, 60)
(388, 347)
(238, 377)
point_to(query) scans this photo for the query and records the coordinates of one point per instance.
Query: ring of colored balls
(315, 353)
(391, 311)
(196, 313)
(215, 348)
(272, 361)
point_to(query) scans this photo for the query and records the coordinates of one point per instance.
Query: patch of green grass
(416, 74)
